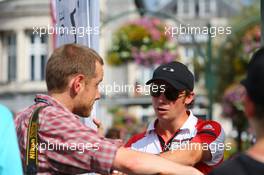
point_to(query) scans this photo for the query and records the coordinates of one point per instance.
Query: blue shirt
(10, 161)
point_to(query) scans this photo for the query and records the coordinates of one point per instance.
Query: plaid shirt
(66, 145)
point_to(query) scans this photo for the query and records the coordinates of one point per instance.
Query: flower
(232, 101)
(251, 39)
(152, 56)
(143, 41)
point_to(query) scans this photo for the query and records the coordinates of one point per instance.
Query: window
(32, 67)
(186, 6)
(144, 74)
(188, 52)
(175, 8)
(32, 38)
(38, 56)
(43, 39)
(11, 68)
(43, 65)
(11, 56)
(197, 8)
(207, 4)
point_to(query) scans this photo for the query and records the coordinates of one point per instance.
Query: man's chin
(162, 116)
(87, 114)
(84, 114)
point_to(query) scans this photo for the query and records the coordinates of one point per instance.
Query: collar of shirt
(189, 124)
(52, 102)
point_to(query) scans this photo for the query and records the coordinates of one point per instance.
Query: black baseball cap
(174, 73)
(254, 81)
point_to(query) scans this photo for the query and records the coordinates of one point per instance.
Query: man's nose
(98, 95)
(162, 98)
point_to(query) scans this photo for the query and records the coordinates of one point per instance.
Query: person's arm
(134, 162)
(206, 146)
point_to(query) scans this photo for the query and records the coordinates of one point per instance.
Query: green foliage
(235, 52)
(143, 41)
(123, 120)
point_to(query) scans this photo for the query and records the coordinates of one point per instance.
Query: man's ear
(77, 83)
(249, 105)
(189, 98)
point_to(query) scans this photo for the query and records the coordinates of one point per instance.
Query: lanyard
(32, 140)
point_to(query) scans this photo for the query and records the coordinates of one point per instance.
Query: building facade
(23, 53)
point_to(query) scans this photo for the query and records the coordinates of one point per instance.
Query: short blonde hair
(68, 60)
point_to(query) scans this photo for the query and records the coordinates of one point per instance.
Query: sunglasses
(169, 92)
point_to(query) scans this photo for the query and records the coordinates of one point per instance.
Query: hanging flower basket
(143, 41)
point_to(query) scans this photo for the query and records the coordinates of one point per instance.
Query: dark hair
(187, 93)
(254, 82)
(69, 60)
(113, 133)
(259, 109)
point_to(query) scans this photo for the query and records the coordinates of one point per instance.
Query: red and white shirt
(194, 130)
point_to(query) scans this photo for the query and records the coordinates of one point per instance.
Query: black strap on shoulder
(32, 143)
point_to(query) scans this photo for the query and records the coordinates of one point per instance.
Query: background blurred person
(10, 162)
(251, 162)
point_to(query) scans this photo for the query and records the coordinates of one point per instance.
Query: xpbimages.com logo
(187, 145)
(130, 88)
(79, 147)
(61, 30)
(174, 31)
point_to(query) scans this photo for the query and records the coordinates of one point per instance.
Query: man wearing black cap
(251, 162)
(176, 133)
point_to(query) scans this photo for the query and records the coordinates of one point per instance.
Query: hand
(97, 122)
